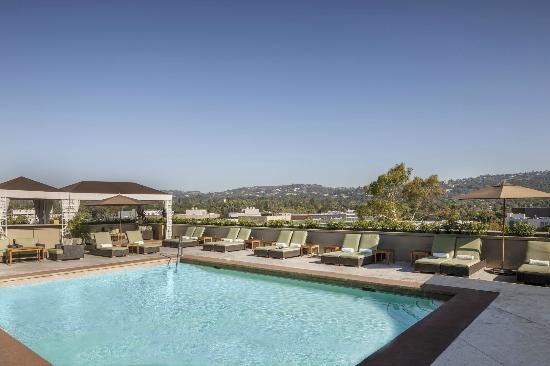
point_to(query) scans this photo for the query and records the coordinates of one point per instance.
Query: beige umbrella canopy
(503, 191)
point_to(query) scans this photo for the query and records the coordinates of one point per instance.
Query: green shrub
(247, 222)
(336, 225)
(78, 226)
(429, 227)
(520, 228)
(185, 221)
(153, 220)
(477, 228)
(17, 220)
(279, 223)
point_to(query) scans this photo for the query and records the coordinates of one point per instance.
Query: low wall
(50, 235)
(401, 243)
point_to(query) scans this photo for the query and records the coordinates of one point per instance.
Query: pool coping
(420, 344)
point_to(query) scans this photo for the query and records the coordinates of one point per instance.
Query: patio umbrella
(119, 201)
(503, 191)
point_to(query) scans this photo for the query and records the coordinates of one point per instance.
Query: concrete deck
(514, 329)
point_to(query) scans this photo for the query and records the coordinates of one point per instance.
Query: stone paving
(513, 330)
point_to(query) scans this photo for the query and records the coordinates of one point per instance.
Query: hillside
(300, 198)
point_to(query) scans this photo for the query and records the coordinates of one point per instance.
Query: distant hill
(299, 198)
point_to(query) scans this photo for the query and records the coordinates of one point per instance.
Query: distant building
(195, 213)
(538, 222)
(348, 216)
(152, 212)
(247, 212)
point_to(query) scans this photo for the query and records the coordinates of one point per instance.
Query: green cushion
(134, 236)
(531, 268)
(102, 238)
(233, 233)
(284, 236)
(369, 241)
(265, 247)
(244, 234)
(431, 260)
(444, 244)
(199, 231)
(351, 255)
(461, 262)
(332, 254)
(537, 250)
(299, 237)
(352, 241)
(26, 242)
(189, 231)
(468, 246)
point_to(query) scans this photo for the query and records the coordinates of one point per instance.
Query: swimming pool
(202, 315)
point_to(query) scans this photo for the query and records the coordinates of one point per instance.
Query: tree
(421, 193)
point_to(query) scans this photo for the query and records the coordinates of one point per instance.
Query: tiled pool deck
(514, 329)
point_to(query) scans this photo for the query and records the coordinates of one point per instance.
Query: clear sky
(210, 95)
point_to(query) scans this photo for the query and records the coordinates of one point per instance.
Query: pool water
(200, 315)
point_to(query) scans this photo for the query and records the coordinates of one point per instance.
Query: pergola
(71, 196)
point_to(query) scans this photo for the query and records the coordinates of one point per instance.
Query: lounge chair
(294, 249)
(283, 238)
(69, 250)
(467, 259)
(232, 234)
(237, 244)
(536, 268)
(143, 246)
(351, 241)
(443, 249)
(365, 253)
(103, 246)
(173, 243)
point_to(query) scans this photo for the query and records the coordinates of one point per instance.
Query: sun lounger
(350, 241)
(143, 246)
(443, 249)
(103, 246)
(365, 253)
(461, 265)
(535, 269)
(232, 234)
(234, 245)
(173, 243)
(294, 249)
(284, 237)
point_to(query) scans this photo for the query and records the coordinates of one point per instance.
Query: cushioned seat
(230, 237)
(237, 244)
(464, 267)
(284, 237)
(368, 242)
(351, 241)
(441, 244)
(173, 243)
(294, 249)
(534, 274)
(134, 237)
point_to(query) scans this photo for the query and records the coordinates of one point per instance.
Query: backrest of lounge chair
(444, 244)
(134, 236)
(351, 241)
(284, 236)
(469, 246)
(369, 241)
(537, 249)
(244, 233)
(189, 231)
(102, 238)
(233, 233)
(26, 242)
(199, 231)
(299, 237)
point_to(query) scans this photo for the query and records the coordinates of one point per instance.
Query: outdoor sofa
(443, 249)
(536, 267)
(230, 237)
(70, 249)
(467, 259)
(283, 238)
(143, 246)
(102, 245)
(233, 245)
(294, 248)
(351, 241)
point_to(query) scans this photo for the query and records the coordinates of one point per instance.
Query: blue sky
(210, 95)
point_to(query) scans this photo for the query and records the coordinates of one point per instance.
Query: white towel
(441, 255)
(295, 245)
(348, 250)
(281, 245)
(538, 262)
(101, 246)
(365, 251)
(239, 240)
(140, 242)
(228, 240)
(465, 257)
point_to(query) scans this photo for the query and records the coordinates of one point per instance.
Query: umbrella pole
(503, 229)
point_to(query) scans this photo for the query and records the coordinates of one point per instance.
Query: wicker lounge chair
(532, 273)
(230, 237)
(173, 243)
(143, 246)
(294, 249)
(365, 253)
(237, 244)
(350, 241)
(103, 246)
(444, 244)
(284, 237)
(464, 267)
(70, 249)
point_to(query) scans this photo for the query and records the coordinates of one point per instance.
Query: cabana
(71, 196)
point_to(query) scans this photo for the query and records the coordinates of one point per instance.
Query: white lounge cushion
(365, 251)
(103, 246)
(186, 237)
(239, 240)
(538, 262)
(295, 245)
(348, 250)
(466, 257)
(193, 237)
(281, 245)
(140, 242)
(441, 255)
(228, 240)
